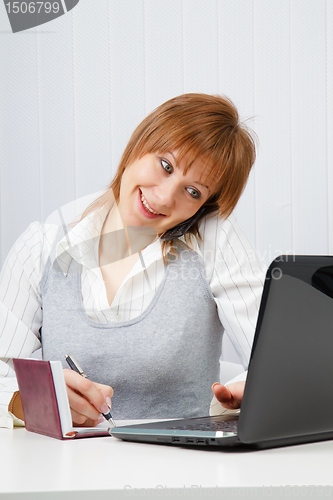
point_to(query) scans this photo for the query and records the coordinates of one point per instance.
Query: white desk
(35, 467)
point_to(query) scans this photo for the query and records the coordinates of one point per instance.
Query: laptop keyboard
(223, 425)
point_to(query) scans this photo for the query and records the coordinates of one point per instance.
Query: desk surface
(38, 467)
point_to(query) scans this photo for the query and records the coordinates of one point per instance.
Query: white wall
(72, 91)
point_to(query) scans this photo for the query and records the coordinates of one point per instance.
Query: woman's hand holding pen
(230, 396)
(87, 399)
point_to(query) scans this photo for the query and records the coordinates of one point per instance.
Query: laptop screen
(291, 361)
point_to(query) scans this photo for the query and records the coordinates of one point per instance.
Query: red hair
(194, 125)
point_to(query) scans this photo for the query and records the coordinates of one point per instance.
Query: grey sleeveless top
(162, 363)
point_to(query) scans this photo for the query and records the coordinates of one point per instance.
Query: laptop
(288, 397)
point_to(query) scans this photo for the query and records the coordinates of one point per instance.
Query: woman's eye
(167, 167)
(193, 192)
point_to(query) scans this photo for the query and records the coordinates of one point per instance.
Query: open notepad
(45, 402)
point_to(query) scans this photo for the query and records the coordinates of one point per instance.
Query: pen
(74, 365)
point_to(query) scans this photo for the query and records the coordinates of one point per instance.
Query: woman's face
(154, 191)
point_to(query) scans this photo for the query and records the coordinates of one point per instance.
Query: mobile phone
(180, 229)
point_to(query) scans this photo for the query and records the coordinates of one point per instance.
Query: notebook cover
(39, 401)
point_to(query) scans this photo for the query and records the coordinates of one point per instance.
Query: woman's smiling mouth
(147, 208)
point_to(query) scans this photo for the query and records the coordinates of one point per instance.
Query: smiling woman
(143, 287)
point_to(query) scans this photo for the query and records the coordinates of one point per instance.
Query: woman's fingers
(87, 399)
(80, 420)
(106, 391)
(230, 396)
(81, 408)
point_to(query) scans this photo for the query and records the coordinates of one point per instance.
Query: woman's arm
(20, 307)
(236, 276)
(20, 323)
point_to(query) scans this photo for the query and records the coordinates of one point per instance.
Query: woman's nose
(166, 193)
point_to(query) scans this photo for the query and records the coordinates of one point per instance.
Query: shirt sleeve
(20, 309)
(236, 277)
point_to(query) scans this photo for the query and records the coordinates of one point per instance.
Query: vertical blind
(73, 90)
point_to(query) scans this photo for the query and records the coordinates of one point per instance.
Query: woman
(139, 298)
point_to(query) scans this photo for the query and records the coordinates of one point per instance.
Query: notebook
(288, 398)
(45, 402)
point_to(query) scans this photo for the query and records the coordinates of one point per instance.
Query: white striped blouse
(231, 266)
